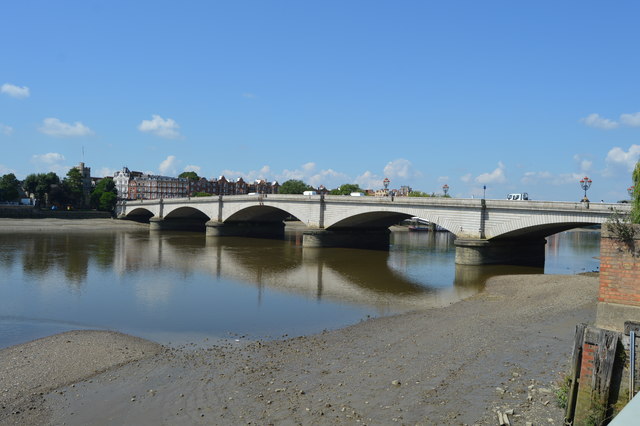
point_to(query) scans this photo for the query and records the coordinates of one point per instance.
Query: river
(179, 287)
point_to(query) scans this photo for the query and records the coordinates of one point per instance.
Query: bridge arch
(382, 219)
(539, 226)
(185, 212)
(260, 213)
(140, 213)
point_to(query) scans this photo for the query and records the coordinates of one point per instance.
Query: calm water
(182, 287)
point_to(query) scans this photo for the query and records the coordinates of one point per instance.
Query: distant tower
(85, 172)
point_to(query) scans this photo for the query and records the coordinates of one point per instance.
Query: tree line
(49, 190)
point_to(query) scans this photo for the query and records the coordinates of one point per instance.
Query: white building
(121, 179)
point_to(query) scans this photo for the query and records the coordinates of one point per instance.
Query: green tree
(101, 202)
(346, 189)
(189, 175)
(9, 188)
(73, 187)
(41, 185)
(635, 207)
(418, 194)
(294, 186)
(107, 201)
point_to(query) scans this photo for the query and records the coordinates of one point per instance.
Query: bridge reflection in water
(182, 284)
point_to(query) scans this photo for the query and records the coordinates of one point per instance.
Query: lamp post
(585, 183)
(445, 189)
(385, 182)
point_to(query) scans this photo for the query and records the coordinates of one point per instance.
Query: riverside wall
(619, 295)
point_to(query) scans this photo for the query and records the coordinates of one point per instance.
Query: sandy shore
(69, 225)
(502, 349)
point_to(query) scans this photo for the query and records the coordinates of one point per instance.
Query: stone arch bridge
(487, 231)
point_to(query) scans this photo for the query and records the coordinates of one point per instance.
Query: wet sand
(504, 349)
(69, 225)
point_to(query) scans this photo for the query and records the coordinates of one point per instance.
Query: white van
(357, 194)
(309, 193)
(518, 197)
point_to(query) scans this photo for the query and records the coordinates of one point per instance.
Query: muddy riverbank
(503, 349)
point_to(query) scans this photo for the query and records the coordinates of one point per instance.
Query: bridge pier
(376, 239)
(245, 229)
(181, 224)
(524, 252)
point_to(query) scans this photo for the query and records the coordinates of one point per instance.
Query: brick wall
(619, 270)
(588, 355)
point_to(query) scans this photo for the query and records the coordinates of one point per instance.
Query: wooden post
(603, 370)
(576, 362)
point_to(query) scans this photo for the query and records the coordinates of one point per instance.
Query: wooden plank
(603, 370)
(576, 364)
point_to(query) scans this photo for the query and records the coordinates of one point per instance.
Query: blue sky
(517, 96)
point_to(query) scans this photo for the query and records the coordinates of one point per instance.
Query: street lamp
(385, 182)
(445, 189)
(585, 183)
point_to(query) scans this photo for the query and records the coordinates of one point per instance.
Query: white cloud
(496, 176)
(400, 168)
(329, 178)
(57, 128)
(585, 164)
(232, 174)
(265, 170)
(292, 174)
(618, 159)
(466, 178)
(369, 180)
(49, 158)
(165, 128)
(250, 176)
(309, 167)
(249, 95)
(15, 91)
(308, 174)
(192, 168)
(6, 130)
(595, 120)
(4, 170)
(632, 120)
(168, 166)
(50, 162)
(443, 179)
